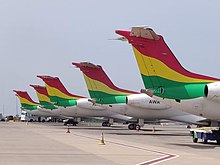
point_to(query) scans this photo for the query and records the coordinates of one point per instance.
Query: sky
(43, 37)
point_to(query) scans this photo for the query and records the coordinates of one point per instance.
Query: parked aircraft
(125, 102)
(167, 80)
(77, 106)
(28, 105)
(46, 105)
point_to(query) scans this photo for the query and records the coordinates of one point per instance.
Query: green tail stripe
(98, 94)
(189, 91)
(66, 103)
(44, 103)
(112, 100)
(29, 107)
(173, 90)
(56, 99)
(157, 81)
(47, 105)
(51, 107)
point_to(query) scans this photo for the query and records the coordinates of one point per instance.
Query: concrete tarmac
(49, 144)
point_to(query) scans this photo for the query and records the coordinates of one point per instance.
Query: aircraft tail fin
(25, 100)
(158, 66)
(98, 83)
(43, 96)
(56, 89)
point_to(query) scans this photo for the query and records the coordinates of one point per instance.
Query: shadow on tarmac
(143, 132)
(131, 132)
(95, 128)
(151, 134)
(199, 145)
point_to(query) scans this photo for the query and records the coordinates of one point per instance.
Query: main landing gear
(106, 124)
(137, 125)
(134, 126)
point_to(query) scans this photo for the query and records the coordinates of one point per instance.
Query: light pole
(16, 106)
(3, 110)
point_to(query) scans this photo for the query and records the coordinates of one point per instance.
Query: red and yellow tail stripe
(98, 86)
(98, 83)
(25, 99)
(56, 89)
(159, 68)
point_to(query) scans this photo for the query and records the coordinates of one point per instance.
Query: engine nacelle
(86, 104)
(144, 101)
(212, 91)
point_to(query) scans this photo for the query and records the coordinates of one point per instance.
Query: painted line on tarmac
(159, 160)
(165, 156)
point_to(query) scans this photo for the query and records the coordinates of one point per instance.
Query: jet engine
(212, 91)
(85, 103)
(144, 101)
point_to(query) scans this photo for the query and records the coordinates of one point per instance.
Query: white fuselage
(85, 108)
(157, 111)
(200, 106)
(76, 111)
(50, 113)
(37, 112)
(150, 114)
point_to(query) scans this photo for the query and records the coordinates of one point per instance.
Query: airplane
(43, 97)
(166, 80)
(77, 106)
(28, 105)
(45, 103)
(125, 102)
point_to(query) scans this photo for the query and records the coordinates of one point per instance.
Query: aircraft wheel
(106, 124)
(138, 127)
(131, 126)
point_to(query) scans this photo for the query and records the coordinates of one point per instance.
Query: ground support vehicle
(206, 134)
